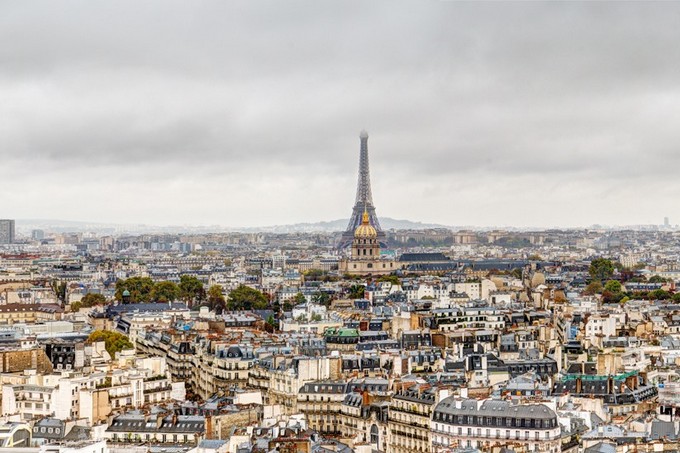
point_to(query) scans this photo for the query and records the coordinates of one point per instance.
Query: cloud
(245, 108)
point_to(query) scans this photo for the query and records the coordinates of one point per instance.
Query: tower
(364, 198)
(6, 231)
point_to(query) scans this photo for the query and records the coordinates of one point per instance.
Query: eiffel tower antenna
(364, 198)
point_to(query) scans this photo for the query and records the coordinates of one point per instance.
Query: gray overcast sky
(248, 113)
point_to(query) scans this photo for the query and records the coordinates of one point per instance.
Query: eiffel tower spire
(364, 198)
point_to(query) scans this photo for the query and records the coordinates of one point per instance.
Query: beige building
(409, 416)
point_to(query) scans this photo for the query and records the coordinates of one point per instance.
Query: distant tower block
(364, 199)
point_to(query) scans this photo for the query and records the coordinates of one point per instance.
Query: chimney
(208, 427)
(365, 398)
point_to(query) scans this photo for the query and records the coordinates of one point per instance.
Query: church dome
(365, 230)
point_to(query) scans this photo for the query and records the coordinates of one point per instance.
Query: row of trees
(602, 270)
(612, 292)
(144, 289)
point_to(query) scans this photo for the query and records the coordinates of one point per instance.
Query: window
(375, 436)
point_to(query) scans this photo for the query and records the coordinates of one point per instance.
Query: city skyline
(247, 115)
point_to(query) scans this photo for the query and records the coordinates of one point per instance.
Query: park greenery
(356, 292)
(88, 300)
(612, 291)
(144, 289)
(601, 269)
(246, 298)
(114, 342)
(216, 300)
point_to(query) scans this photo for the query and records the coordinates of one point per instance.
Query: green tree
(657, 279)
(601, 269)
(357, 291)
(114, 342)
(594, 288)
(390, 278)
(216, 300)
(535, 257)
(75, 306)
(246, 298)
(659, 294)
(676, 297)
(59, 289)
(612, 297)
(93, 299)
(313, 274)
(165, 292)
(191, 289)
(299, 299)
(613, 286)
(321, 298)
(140, 289)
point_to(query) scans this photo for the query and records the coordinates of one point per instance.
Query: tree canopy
(601, 269)
(657, 279)
(140, 289)
(299, 299)
(92, 299)
(216, 300)
(357, 291)
(594, 288)
(390, 278)
(321, 298)
(59, 289)
(114, 342)
(191, 289)
(165, 292)
(613, 286)
(659, 294)
(246, 298)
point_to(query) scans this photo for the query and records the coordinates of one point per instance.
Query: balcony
(552, 435)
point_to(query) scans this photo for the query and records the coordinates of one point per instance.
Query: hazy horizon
(25, 226)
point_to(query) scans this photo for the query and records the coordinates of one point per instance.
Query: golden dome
(365, 230)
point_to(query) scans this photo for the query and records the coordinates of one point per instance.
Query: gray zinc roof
(494, 408)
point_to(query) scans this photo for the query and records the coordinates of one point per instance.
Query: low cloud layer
(248, 113)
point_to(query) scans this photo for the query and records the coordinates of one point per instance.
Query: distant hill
(386, 223)
(24, 226)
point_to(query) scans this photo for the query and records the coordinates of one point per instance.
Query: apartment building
(409, 416)
(485, 424)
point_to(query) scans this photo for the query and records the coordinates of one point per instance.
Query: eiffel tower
(364, 199)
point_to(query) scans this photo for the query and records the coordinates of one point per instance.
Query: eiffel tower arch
(364, 199)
